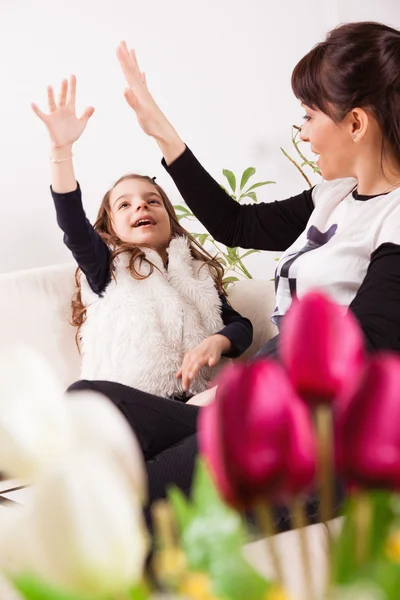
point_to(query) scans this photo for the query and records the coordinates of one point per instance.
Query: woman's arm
(264, 226)
(64, 129)
(376, 304)
(272, 226)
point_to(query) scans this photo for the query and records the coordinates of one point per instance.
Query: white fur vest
(138, 331)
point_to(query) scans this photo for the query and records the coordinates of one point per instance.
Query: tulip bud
(96, 422)
(251, 435)
(368, 433)
(33, 424)
(83, 531)
(321, 349)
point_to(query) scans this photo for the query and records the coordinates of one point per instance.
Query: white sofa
(35, 310)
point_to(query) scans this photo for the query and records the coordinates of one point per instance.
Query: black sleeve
(376, 304)
(265, 226)
(238, 329)
(88, 249)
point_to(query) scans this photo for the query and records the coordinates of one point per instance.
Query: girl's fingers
(50, 99)
(72, 90)
(38, 112)
(62, 98)
(87, 113)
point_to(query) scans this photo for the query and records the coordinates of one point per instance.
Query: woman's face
(332, 142)
(139, 215)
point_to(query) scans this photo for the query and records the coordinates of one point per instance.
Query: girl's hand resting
(63, 125)
(207, 353)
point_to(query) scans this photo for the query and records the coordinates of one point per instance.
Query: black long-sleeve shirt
(92, 255)
(276, 226)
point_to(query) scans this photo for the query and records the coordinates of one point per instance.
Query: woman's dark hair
(358, 65)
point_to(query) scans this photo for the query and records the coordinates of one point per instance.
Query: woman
(343, 236)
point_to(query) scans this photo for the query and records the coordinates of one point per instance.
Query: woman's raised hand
(63, 125)
(137, 94)
(149, 115)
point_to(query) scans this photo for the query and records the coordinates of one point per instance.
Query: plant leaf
(231, 179)
(32, 588)
(181, 507)
(248, 253)
(183, 209)
(251, 195)
(228, 280)
(249, 172)
(259, 184)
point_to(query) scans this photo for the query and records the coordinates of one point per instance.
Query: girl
(349, 86)
(153, 320)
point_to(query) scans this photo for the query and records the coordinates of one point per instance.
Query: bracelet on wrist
(60, 160)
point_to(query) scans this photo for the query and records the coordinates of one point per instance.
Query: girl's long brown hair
(104, 228)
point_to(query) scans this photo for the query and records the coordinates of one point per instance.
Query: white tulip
(33, 425)
(95, 420)
(83, 531)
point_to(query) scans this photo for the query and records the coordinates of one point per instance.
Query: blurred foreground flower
(257, 436)
(321, 349)
(83, 531)
(368, 432)
(33, 424)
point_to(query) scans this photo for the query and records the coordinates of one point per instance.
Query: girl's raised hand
(63, 125)
(149, 115)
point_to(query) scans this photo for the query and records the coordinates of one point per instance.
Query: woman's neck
(379, 178)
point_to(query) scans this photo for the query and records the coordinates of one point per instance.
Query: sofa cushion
(35, 310)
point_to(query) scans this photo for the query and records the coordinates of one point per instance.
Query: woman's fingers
(72, 90)
(128, 64)
(62, 98)
(50, 99)
(130, 97)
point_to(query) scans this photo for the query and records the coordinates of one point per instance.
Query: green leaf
(228, 280)
(377, 515)
(181, 508)
(248, 253)
(32, 588)
(183, 209)
(229, 194)
(257, 185)
(203, 238)
(246, 176)
(138, 592)
(251, 195)
(234, 579)
(231, 179)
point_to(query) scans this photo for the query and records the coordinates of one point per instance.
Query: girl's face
(139, 215)
(333, 143)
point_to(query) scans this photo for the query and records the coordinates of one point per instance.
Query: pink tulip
(257, 436)
(321, 349)
(368, 427)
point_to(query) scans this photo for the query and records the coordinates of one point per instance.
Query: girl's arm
(64, 129)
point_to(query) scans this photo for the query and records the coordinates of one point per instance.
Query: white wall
(220, 69)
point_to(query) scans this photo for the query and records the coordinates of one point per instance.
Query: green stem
(297, 167)
(245, 271)
(300, 524)
(265, 521)
(324, 426)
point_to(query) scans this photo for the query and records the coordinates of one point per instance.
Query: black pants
(166, 430)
